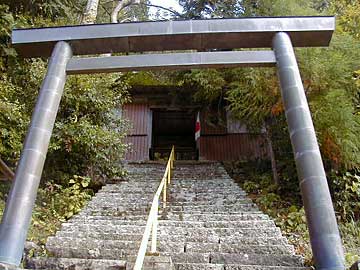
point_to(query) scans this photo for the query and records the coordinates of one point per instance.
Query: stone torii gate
(278, 34)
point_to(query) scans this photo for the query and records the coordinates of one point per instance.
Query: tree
(254, 97)
(90, 13)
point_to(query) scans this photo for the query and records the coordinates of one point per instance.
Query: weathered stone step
(197, 212)
(215, 201)
(189, 232)
(179, 216)
(152, 263)
(206, 196)
(74, 263)
(196, 247)
(188, 196)
(89, 218)
(102, 253)
(209, 223)
(210, 266)
(210, 238)
(176, 252)
(251, 259)
(146, 206)
(202, 191)
(179, 245)
(204, 186)
(123, 190)
(224, 208)
(108, 204)
(206, 192)
(127, 247)
(244, 259)
(216, 217)
(256, 224)
(231, 258)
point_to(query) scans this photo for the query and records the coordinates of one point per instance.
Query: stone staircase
(209, 223)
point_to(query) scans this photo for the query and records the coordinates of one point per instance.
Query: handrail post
(164, 193)
(154, 228)
(169, 174)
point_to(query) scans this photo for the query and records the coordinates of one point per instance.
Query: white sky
(174, 4)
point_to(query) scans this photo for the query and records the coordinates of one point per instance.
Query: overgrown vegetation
(284, 205)
(87, 146)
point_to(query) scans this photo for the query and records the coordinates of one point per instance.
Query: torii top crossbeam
(175, 35)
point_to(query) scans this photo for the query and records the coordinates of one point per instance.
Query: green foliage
(12, 120)
(330, 78)
(350, 233)
(51, 9)
(348, 16)
(208, 84)
(346, 193)
(215, 9)
(253, 96)
(57, 203)
(88, 138)
(338, 128)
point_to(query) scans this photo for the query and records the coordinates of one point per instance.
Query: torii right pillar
(324, 233)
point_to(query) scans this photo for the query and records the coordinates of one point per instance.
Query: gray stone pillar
(20, 203)
(324, 234)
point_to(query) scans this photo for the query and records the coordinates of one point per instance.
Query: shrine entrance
(203, 44)
(173, 128)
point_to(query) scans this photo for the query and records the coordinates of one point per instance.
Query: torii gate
(280, 34)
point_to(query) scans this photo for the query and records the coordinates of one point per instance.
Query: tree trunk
(272, 156)
(90, 12)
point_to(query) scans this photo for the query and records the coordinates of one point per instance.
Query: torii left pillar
(21, 200)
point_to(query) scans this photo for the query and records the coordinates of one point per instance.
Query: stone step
(196, 247)
(140, 188)
(175, 195)
(74, 264)
(118, 246)
(178, 211)
(95, 204)
(152, 263)
(209, 213)
(215, 208)
(204, 192)
(209, 223)
(209, 238)
(204, 186)
(178, 216)
(189, 232)
(206, 196)
(179, 245)
(238, 207)
(210, 266)
(177, 252)
(256, 224)
(231, 258)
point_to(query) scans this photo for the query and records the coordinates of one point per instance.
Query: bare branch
(167, 9)
(120, 6)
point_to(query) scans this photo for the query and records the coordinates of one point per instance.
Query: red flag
(197, 127)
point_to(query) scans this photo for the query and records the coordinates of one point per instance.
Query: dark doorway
(173, 128)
